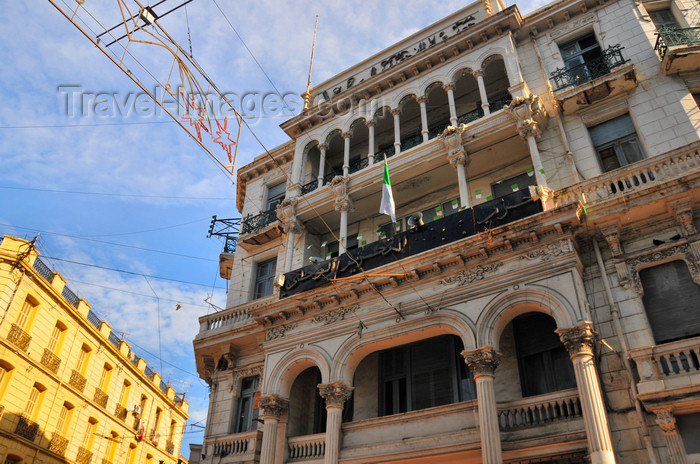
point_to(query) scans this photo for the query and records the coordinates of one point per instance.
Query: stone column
(346, 153)
(457, 156)
(370, 148)
(397, 130)
(450, 89)
(530, 118)
(321, 164)
(335, 394)
(343, 203)
(423, 117)
(271, 408)
(479, 73)
(579, 342)
(483, 363)
(286, 211)
(674, 442)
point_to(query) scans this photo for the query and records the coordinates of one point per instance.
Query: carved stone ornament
(335, 393)
(249, 371)
(666, 421)
(272, 406)
(451, 138)
(683, 251)
(339, 188)
(278, 332)
(482, 361)
(579, 339)
(549, 251)
(335, 315)
(529, 114)
(286, 215)
(613, 238)
(684, 218)
(471, 275)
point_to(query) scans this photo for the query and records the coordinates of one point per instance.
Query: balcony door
(583, 59)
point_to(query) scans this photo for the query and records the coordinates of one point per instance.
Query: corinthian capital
(335, 393)
(272, 406)
(579, 339)
(529, 114)
(666, 421)
(482, 361)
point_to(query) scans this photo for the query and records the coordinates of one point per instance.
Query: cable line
(134, 195)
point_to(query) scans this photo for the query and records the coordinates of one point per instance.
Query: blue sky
(148, 190)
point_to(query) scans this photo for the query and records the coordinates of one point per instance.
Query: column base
(603, 457)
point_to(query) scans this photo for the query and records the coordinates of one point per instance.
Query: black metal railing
(84, 456)
(100, 397)
(437, 129)
(114, 339)
(388, 152)
(50, 360)
(77, 381)
(170, 447)
(179, 399)
(672, 36)
(358, 165)
(71, 297)
(411, 141)
(43, 270)
(499, 102)
(230, 244)
(580, 74)
(58, 444)
(330, 176)
(163, 386)
(148, 372)
(93, 319)
(310, 187)
(120, 411)
(19, 337)
(26, 428)
(471, 116)
(257, 222)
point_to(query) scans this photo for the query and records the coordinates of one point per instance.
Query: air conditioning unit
(135, 409)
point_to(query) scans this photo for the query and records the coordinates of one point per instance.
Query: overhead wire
(107, 194)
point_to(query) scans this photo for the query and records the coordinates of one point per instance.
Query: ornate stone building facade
(71, 390)
(537, 299)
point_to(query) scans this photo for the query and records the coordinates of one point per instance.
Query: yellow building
(70, 389)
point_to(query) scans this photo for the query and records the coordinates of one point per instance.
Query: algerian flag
(387, 205)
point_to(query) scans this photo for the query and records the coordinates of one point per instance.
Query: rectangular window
(583, 59)
(247, 415)
(275, 195)
(24, 313)
(64, 418)
(264, 278)
(663, 18)
(513, 184)
(616, 143)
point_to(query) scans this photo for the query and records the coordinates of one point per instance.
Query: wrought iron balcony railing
(470, 116)
(43, 270)
(77, 381)
(50, 360)
(71, 297)
(26, 428)
(671, 37)
(101, 397)
(499, 102)
(310, 187)
(84, 456)
(580, 74)
(388, 152)
(121, 412)
(358, 165)
(19, 337)
(170, 447)
(93, 319)
(260, 221)
(230, 244)
(411, 141)
(437, 129)
(58, 444)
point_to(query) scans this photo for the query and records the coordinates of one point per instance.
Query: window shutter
(612, 130)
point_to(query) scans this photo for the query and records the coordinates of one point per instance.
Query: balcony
(58, 444)
(50, 361)
(307, 448)
(101, 397)
(43, 270)
(540, 410)
(121, 412)
(457, 226)
(259, 229)
(239, 447)
(77, 381)
(169, 447)
(19, 337)
(26, 428)
(596, 79)
(84, 456)
(668, 370)
(679, 49)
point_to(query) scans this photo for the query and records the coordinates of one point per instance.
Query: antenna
(307, 97)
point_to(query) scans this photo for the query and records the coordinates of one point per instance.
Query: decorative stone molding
(286, 215)
(322, 146)
(482, 361)
(421, 99)
(395, 111)
(570, 26)
(449, 86)
(666, 421)
(278, 332)
(370, 123)
(272, 406)
(451, 138)
(335, 393)
(339, 188)
(684, 217)
(471, 275)
(529, 114)
(487, 7)
(335, 315)
(249, 371)
(628, 275)
(549, 251)
(346, 135)
(610, 232)
(578, 340)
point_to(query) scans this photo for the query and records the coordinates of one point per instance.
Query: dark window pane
(608, 157)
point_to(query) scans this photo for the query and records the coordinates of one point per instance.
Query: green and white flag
(387, 205)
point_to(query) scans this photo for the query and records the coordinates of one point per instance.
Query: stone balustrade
(235, 317)
(633, 177)
(539, 410)
(307, 447)
(668, 360)
(240, 447)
